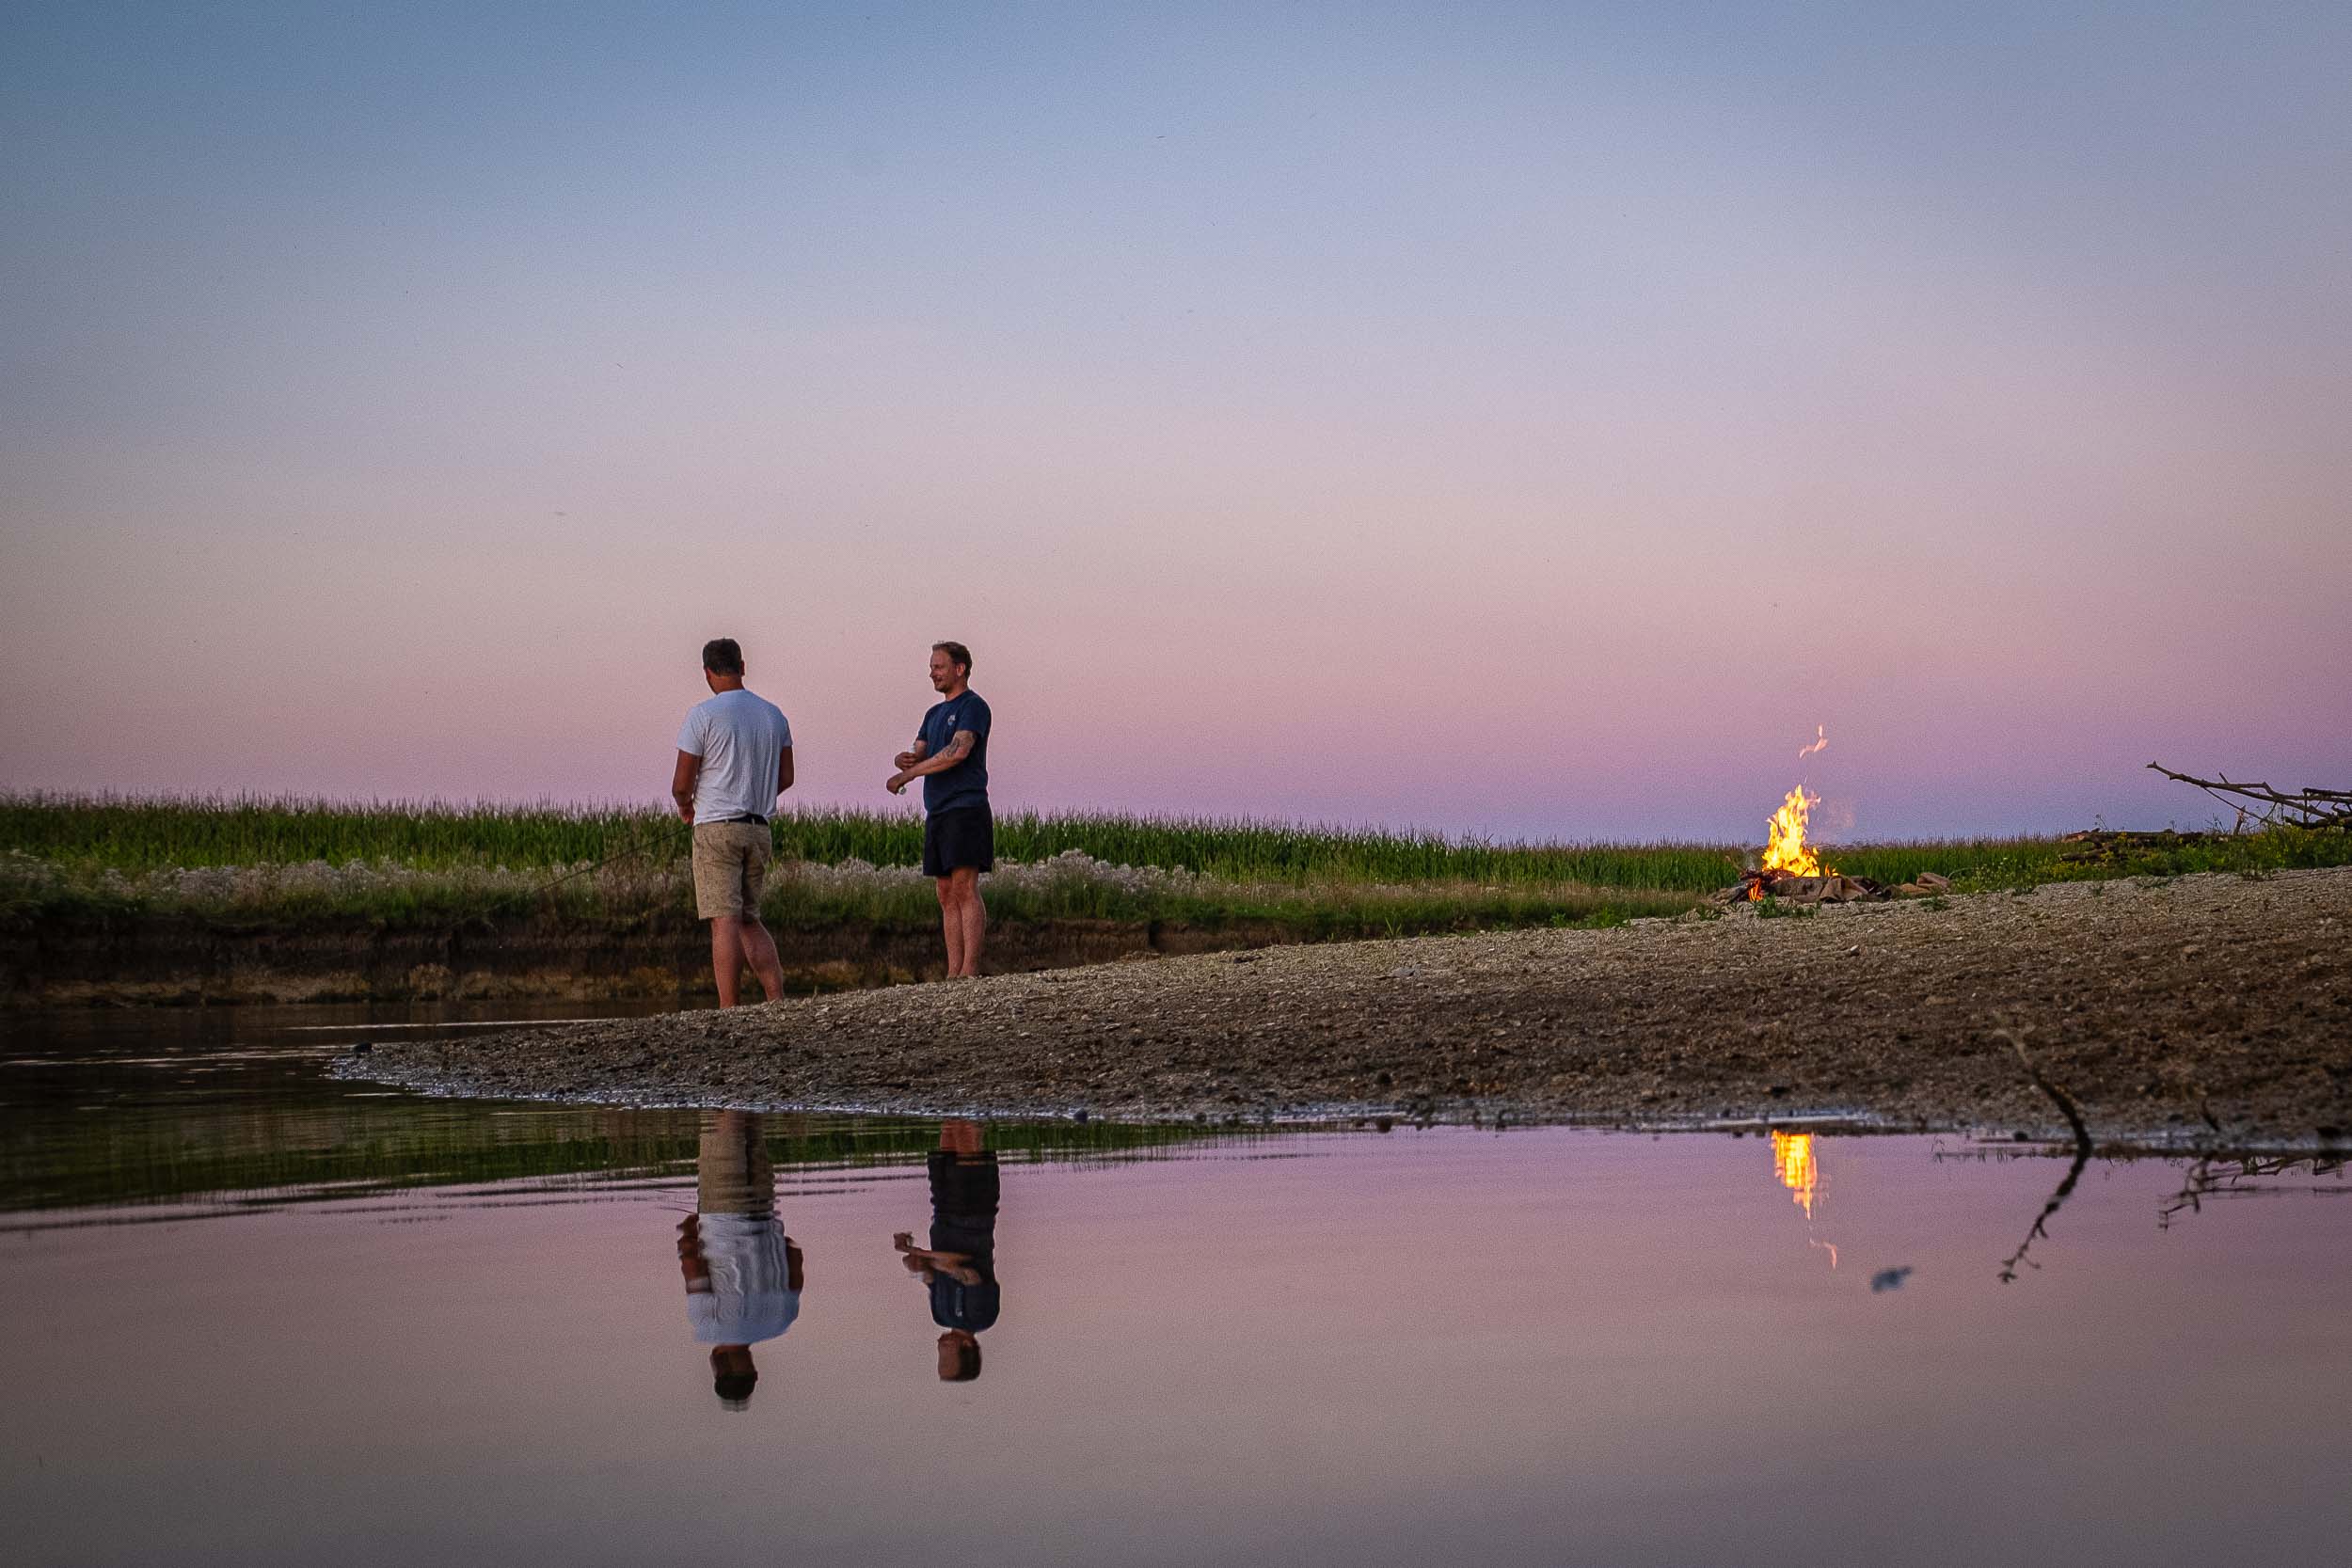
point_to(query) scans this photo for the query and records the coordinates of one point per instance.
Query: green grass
(1772, 909)
(35, 893)
(131, 833)
(135, 833)
(261, 858)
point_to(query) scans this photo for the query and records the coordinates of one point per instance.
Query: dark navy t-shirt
(964, 1220)
(966, 784)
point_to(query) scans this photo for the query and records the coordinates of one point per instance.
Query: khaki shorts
(730, 864)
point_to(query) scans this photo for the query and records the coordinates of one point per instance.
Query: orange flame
(1792, 1160)
(1785, 849)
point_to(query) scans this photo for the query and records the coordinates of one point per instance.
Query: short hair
(956, 652)
(735, 1389)
(967, 1350)
(722, 656)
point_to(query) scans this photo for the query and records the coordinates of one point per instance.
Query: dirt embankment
(2212, 1006)
(188, 961)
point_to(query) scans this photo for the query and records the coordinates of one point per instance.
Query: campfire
(1791, 868)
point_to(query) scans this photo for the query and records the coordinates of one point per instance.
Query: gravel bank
(2214, 1008)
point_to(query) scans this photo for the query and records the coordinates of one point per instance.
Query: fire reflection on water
(1795, 1162)
(1792, 1157)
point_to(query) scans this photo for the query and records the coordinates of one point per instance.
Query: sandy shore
(2209, 1009)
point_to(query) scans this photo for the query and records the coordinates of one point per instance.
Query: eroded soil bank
(2215, 1008)
(188, 961)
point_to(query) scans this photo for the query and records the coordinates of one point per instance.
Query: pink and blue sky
(1530, 420)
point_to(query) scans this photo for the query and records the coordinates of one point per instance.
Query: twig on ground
(2065, 1102)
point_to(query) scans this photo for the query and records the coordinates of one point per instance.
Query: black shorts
(955, 839)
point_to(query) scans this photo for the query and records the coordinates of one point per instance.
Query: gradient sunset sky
(1530, 419)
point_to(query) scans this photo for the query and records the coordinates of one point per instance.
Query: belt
(747, 816)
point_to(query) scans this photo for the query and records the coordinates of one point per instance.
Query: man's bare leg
(759, 951)
(727, 956)
(951, 924)
(972, 914)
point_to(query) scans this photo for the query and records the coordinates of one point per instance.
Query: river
(250, 1314)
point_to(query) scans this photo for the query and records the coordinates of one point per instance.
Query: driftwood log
(2274, 808)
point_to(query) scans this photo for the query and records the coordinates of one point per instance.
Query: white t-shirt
(740, 739)
(751, 1297)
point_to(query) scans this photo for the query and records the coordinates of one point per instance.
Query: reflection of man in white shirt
(742, 1272)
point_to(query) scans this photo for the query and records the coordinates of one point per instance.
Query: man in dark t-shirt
(950, 756)
(960, 1265)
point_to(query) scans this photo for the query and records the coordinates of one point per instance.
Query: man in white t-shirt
(734, 758)
(743, 1274)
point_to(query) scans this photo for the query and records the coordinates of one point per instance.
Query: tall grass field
(255, 857)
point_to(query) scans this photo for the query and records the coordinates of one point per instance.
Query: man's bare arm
(912, 754)
(784, 771)
(958, 749)
(923, 1261)
(682, 777)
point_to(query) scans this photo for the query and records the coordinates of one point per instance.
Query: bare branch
(2272, 807)
(2074, 1173)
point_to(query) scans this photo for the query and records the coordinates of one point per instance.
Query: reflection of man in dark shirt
(960, 1265)
(742, 1272)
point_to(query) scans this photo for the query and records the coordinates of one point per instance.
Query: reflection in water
(2248, 1177)
(2065, 1102)
(742, 1272)
(960, 1265)
(1798, 1166)
(1792, 1156)
(2041, 1223)
(1303, 1391)
(238, 1110)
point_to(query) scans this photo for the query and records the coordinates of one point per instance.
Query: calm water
(249, 1315)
